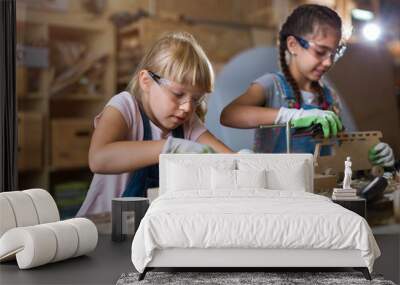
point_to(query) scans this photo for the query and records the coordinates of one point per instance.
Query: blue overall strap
(286, 88)
(328, 95)
(277, 137)
(299, 145)
(147, 177)
(289, 95)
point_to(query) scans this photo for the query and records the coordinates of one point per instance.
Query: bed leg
(143, 274)
(364, 271)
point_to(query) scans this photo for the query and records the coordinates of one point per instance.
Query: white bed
(254, 210)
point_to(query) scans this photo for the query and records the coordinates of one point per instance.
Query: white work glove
(245, 151)
(286, 114)
(175, 145)
(381, 154)
(328, 120)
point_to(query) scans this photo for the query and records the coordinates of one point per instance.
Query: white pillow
(236, 179)
(223, 179)
(187, 176)
(251, 178)
(282, 174)
(182, 177)
(293, 179)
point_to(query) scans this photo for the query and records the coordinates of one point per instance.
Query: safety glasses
(321, 52)
(179, 98)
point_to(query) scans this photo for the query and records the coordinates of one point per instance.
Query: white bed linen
(251, 218)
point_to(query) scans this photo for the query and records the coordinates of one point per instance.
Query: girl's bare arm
(208, 139)
(111, 153)
(248, 110)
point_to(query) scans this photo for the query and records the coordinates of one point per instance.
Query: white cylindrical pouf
(34, 246)
(45, 205)
(7, 218)
(66, 237)
(87, 235)
(23, 207)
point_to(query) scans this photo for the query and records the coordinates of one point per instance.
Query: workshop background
(73, 55)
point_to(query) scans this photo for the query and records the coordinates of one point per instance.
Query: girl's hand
(329, 121)
(381, 154)
(174, 145)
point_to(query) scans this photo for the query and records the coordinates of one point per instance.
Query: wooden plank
(263, 37)
(30, 141)
(82, 21)
(250, 12)
(40, 28)
(324, 183)
(220, 43)
(354, 144)
(21, 81)
(70, 142)
(74, 73)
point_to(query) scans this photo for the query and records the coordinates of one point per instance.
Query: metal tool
(288, 133)
(313, 131)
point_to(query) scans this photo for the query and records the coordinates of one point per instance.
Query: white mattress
(253, 218)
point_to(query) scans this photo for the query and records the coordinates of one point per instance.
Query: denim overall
(274, 140)
(147, 177)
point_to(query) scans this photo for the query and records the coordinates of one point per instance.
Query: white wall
(231, 82)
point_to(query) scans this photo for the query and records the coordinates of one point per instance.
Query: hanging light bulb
(372, 31)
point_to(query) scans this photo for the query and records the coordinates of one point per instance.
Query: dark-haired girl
(309, 44)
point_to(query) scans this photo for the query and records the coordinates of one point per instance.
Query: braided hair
(303, 21)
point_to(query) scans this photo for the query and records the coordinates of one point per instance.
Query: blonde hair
(178, 57)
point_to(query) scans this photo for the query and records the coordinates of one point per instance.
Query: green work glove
(174, 145)
(381, 154)
(328, 120)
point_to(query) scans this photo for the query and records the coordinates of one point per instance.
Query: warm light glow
(371, 32)
(361, 14)
(347, 31)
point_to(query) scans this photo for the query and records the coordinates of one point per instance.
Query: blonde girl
(156, 115)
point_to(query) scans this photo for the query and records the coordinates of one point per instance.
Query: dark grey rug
(230, 278)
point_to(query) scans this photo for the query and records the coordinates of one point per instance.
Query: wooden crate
(219, 42)
(70, 139)
(353, 144)
(221, 11)
(30, 141)
(63, 156)
(21, 81)
(263, 37)
(324, 183)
